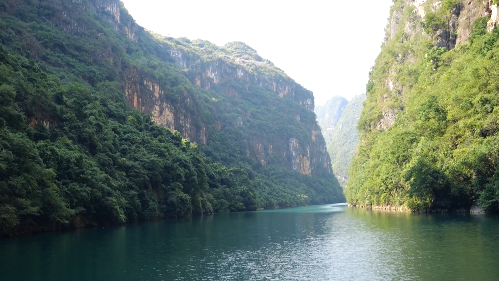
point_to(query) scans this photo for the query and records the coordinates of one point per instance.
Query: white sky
(326, 46)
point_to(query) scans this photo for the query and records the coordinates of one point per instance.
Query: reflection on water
(330, 242)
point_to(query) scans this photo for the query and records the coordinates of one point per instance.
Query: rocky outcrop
(470, 11)
(387, 120)
(111, 9)
(459, 22)
(492, 23)
(420, 7)
(456, 29)
(225, 69)
(300, 157)
(447, 37)
(148, 96)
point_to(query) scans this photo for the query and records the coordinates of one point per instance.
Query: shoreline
(474, 210)
(77, 225)
(388, 208)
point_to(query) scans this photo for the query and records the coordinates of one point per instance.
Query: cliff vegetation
(429, 129)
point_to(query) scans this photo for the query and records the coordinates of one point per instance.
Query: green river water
(330, 242)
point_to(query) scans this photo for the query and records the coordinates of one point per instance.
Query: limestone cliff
(149, 97)
(443, 24)
(236, 74)
(212, 66)
(230, 89)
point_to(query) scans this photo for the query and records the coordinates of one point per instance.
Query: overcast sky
(326, 46)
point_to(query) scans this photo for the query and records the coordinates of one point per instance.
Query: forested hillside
(338, 119)
(103, 122)
(430, 123)
(345, 139)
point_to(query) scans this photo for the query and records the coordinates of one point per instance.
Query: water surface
(328, 242)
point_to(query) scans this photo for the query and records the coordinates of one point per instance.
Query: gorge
(104, 122)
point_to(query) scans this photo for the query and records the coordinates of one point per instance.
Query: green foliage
(448, 5)
(441, 153)
(438, 20)
(479, 28)
(425, 182)
(434, 56)
(91, 159)
(433, 22)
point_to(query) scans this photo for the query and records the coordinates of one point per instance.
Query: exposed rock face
(456, 29)
(471, 10)
(300, 158)
(388, 119)
(460, 22)
(235, 75)
(491, 25)
(148, 96)
(447, 37)
(420, 7)
(110, 9)
(230, 68)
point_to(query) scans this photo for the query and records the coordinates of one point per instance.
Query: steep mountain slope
(74, 152)
(345, 139)
(429, 127)
(329, 114)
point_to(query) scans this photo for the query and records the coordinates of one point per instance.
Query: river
(330, 242)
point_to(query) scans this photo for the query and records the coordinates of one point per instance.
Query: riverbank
(474, 210)
(388, 208)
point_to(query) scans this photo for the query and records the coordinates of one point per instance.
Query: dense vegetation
(73, 154)
(442, 151)
(97, 161)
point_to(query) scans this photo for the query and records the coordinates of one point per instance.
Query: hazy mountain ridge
(329, 114)
(339, 124)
